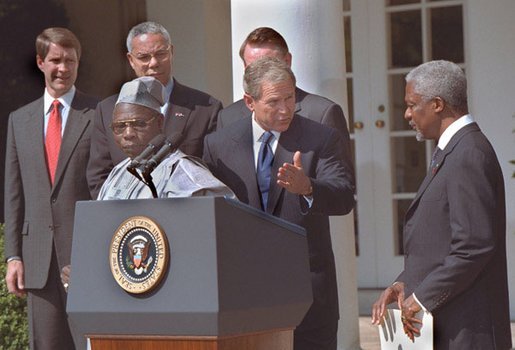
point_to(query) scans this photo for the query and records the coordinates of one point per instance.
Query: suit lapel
(178, 111)
(75, 126)
(286, 147)
(440, 160)
(34, 128)
(243, 141)
(299, 96)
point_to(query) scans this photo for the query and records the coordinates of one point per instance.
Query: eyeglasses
(136, 124)
(159, 55)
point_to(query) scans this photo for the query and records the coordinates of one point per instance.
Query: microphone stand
(148, 181)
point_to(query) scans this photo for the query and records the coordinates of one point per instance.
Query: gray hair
(265, 69)
(442, 79)
(147, 28)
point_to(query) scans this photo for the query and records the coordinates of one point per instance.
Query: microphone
(170, 145)
(154, 144)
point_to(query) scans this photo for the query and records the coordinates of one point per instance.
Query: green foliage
(13, 315)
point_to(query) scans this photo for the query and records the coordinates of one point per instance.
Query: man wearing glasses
(188, 111)
(137, 119)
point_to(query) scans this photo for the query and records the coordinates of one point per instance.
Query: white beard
(419, 136)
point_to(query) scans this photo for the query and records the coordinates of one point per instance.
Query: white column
(314, 33)
(490, 35)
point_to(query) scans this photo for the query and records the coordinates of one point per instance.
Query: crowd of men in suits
(279, 149)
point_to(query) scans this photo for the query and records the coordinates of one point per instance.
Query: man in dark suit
(265, 41)
(455, 228)
(293, 168)
(47, 152)
(189, 111)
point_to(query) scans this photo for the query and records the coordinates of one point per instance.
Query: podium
(237, 278)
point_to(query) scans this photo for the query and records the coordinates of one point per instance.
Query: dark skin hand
(409, 308)
(65, 276)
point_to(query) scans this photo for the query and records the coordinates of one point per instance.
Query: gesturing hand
(292, 177)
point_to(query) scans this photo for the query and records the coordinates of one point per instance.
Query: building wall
(490, 31)
(102, 27)
(201, 34)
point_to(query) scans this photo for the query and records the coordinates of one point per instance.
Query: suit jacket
(191, 112)
(455, 246)
(39, 215)
(229, 155)
(311, 106)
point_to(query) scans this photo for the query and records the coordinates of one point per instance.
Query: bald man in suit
(47, 152)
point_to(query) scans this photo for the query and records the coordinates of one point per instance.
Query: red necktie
(53, 139)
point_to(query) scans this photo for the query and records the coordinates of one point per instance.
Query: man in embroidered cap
(137, 119)
(191, 112)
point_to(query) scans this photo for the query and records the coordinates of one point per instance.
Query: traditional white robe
(178, 175)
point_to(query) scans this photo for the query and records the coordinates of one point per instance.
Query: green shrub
(13, 315)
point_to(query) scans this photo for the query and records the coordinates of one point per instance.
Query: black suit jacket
(229, 155)
(38, 215)
(191, 112)
(311, 106)
(455, 246)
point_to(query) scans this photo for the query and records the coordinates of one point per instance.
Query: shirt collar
(453, 129)
(65, 100)
(257, 130)
(168, 89)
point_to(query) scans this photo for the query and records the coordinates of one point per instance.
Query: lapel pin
(179, 114)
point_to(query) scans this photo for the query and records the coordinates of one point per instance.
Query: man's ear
(249, 101)
(438, 104)
(39, 62)
(130, 58)
(287, 59)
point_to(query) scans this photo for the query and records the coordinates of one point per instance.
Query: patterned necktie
(53, 139)
(434, 165)
(264, 167)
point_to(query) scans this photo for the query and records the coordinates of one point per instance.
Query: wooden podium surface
(276, 340)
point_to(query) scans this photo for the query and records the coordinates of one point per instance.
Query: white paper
(393, 337)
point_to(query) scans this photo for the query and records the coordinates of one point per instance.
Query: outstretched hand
(292, 177)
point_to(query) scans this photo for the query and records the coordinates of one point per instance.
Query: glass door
(385, 39)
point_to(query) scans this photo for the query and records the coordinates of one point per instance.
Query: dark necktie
(53, 139)
(264, 166)
(434, 165)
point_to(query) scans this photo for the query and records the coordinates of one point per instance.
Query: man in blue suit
(309, 178)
